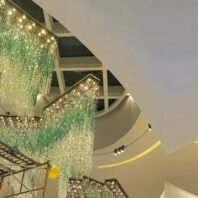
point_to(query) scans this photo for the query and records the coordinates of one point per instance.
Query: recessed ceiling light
(128, 94)
(150, 128)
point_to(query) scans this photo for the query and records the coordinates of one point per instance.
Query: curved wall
(146, 176)
(115, 124)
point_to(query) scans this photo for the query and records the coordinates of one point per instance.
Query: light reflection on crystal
(64, 135)
(26, 60)
(87, 187)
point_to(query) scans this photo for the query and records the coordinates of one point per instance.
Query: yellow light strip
(146, 152)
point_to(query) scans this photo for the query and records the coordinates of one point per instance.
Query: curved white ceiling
(142, 167)
(151, 46)
(171, 191)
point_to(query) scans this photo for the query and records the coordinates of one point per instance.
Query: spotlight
(149, 127)
(119, 150)
(115, 152)
(122, 149)
(129, 96)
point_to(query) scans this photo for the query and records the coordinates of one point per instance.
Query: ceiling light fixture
(137, 157)
(149, 127)
(119, 150)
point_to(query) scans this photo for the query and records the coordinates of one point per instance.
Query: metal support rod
(45, 183)
(28, 190)
(37, 189)
(22, 181)
(46, 163)
(43, 188)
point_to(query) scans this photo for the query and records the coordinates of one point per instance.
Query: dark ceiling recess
(111, 101)
(54, 82)
(72, 47)
(100, 105)
(72, 77)
(112, 80)
(31, 8)
(54, 20)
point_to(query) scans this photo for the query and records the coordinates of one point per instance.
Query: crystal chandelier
(88, 187)
(64, 135)
(27, 58)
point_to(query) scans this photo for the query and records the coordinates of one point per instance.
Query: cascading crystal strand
(27, 56)
(90, 188)
(66, 136)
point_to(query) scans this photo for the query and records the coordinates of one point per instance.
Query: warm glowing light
(10, 12)
(146, 152)
(39, 97)
(128, 94)
(43, 31)
(29, 27)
